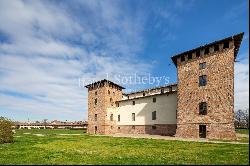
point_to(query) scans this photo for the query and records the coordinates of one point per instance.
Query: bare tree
(242, 118)
(45, 122)
(246, 118)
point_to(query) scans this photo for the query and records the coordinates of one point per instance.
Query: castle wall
(106, 96)
(165, 122)
(218, 93)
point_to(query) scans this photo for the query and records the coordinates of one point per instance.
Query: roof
(103, 81)
(237, 41)
(139, 97)
(145, 90)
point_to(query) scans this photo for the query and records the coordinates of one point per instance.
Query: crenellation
(201, 105)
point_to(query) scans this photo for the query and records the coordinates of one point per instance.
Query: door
(95, 129)
(202, 131)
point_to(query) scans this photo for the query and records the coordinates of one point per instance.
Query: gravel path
(172, 138)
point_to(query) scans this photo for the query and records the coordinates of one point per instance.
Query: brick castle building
(200, 105)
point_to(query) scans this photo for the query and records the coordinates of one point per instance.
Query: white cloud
(49, 47)
(241, 83)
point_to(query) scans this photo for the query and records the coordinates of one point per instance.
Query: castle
(200, 105)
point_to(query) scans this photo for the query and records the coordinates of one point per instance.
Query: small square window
(133, 116)
(203, 108)
(202, 65)
(154, 100)
(111, 117)
(203, 80)
(154, 115)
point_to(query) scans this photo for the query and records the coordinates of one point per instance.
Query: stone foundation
(214, 131)
(160, 129)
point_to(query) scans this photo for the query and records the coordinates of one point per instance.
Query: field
(55, 147)
(242, 131)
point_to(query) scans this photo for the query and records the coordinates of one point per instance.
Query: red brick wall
(218, 93)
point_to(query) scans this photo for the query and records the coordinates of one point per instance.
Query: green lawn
(84, 149)
(242, 131)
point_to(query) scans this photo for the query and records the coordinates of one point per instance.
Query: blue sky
(46, 46)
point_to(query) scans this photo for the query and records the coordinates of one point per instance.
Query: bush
(6, 135)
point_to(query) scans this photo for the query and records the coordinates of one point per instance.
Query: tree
(6, 134)
(242, 118)
(45, 122)
(246, 118)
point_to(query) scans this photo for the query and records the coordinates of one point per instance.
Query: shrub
(6, 134)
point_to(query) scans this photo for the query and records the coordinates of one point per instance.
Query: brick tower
(205, 94)
(101, 96)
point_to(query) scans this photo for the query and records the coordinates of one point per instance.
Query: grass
(242, 131)
(86, 149)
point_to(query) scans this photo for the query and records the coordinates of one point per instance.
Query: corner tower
(205, 94)
(101, 95)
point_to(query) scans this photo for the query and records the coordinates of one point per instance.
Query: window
(206, 50)
(119, 128)
(170, 89)
(216, 47)
(117, 104)
(190, 56)
(111, 117)
(203, 108)
(153, 127)
(162, 90)
(95, 129)
(111, 101)
(108, 92)
(95, 117)
(202, 65)
(182, 58)
(203, 80)
(154, 99)
(154, 115)
(95, 92)
(143, 94)
(95, 101)
(198, 53)
(119, 118)
(226, 45)
(133, 116)
(202, 131)
(133, 102)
